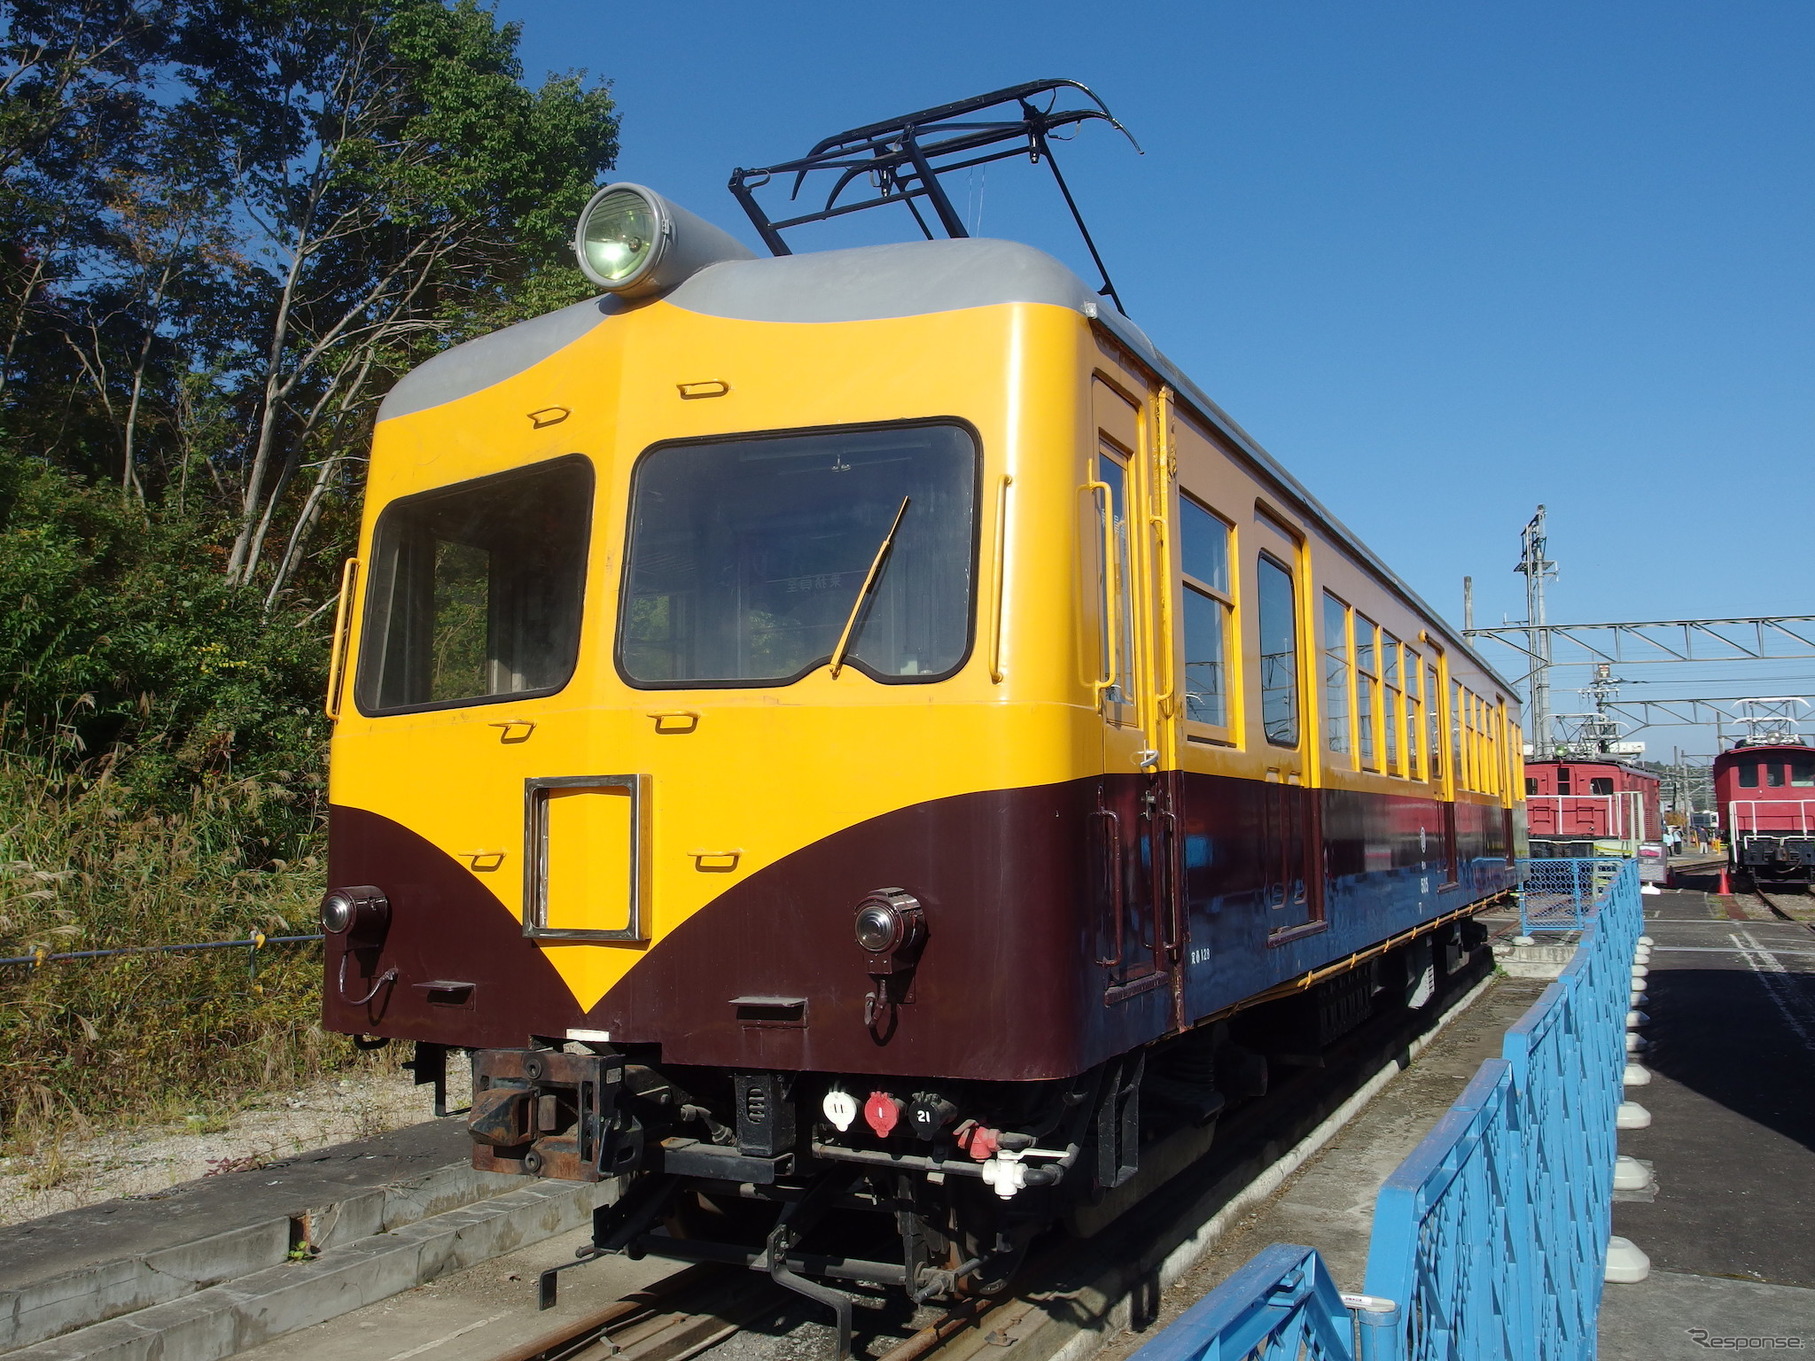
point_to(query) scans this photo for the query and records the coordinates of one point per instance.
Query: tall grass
(87, 864)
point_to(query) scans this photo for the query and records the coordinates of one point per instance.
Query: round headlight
(618, 235)
(633, 242)
(890, 927)
(879, 927)
(337, 911)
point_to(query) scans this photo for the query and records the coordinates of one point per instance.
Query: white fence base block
(1636, 1042)
(1636, 1020)
(1640, 972)
(1626, 1264)
(1629, 1174)
(1640, 997)
(1651, 890)
(1636, 1075)
(1647, 942)
(1632, 1116)
(1641, 955)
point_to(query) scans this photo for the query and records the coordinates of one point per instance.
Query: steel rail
(648, 1303)
(1779, 912)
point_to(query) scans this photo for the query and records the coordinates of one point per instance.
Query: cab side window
(475, 590)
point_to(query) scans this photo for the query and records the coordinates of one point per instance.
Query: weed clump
(142, 1036)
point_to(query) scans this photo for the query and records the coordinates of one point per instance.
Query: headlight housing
(359, 915)
(633, 242)
(890, 927)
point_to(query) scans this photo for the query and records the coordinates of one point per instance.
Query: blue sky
(1445, 260)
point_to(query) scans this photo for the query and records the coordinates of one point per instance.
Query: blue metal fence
(1490, 1239)
(1560, 895)
(1280, 1303)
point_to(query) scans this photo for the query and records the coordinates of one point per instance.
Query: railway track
(706, 1307)
(1790, 907)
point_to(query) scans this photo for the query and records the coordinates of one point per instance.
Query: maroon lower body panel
(1020, 915)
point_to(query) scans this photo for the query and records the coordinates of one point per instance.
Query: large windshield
(748, 556)
(475, 590)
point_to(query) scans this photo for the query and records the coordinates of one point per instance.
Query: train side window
(1367, 675)
(1802, 774)
(1600, 786)
(1458, 735)
(1433, 708)
(1392, 685)
(1204, 559)
(1336, 675)
(1278, 621)
(1414, 719)
(1531, 786)
(1773, 775)
(476, 590)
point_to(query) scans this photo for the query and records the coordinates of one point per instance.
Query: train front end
(696, 764)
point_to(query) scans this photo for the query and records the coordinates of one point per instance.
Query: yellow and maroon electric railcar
(844, 725)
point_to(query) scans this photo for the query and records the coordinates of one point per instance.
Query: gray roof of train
(868, 283)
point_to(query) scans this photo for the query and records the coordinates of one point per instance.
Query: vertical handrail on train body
(999, 579)
(1159, 530)
(1160, 540)
(1112, 621)
(337, 650)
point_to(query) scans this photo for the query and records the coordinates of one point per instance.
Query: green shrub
(161, 743)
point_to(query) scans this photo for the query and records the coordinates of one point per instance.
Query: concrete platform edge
(272, 1299)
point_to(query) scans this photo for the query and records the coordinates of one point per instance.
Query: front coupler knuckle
(546, 1113)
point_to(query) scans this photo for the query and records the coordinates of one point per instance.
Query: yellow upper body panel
(742, 776)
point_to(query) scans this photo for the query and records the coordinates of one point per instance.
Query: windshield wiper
(870, 578)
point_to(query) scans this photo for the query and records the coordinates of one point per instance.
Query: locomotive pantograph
(861, 729)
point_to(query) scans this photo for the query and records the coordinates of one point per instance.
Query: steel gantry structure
(1643, 642)
(1639, 642)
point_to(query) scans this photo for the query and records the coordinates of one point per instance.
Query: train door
(1136, 801)
(1291, 832)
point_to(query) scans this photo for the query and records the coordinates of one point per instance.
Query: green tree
(401, 182)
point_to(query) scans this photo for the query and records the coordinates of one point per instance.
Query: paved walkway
(1730, 1227)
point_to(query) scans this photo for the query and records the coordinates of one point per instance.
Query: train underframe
(1786, 861)
(937, 1189)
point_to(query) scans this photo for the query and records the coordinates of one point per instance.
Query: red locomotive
(1764, 794)
(1588, 808)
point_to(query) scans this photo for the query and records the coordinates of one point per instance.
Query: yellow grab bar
(1164, 700)
(1112, 620)
(999, 577)
(337, 651)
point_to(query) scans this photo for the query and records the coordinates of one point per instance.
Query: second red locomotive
(1578, 808)
(1765, 795)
